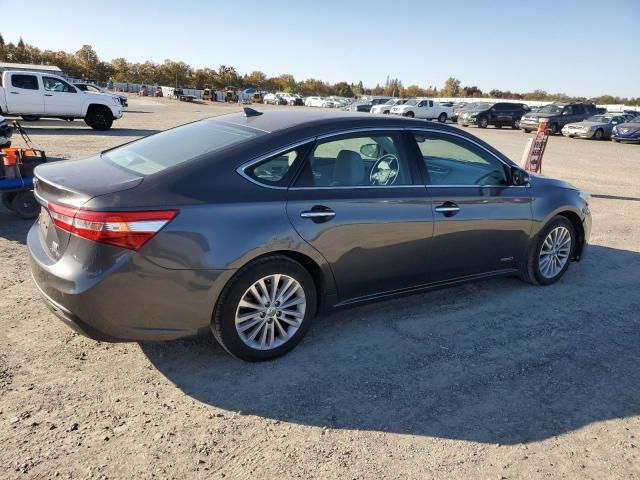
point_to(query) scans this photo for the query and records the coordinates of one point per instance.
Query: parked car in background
(292, 99)
(33, 95)
(557, 115)
(274, 99)
(143, 92)
(91, 87)
(425, 108)
(247, 226)
(385, 108)
(316, 102)
(596, 127)
(500, 114)
(457, 108)
(628, 132)
(361, 106)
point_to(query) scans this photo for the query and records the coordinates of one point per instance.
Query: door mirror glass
(519, 177)
(370, 150)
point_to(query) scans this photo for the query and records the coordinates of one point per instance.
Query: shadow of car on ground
(496, 361)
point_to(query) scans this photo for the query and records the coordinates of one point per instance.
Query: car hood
(100, 97)
(540, 181)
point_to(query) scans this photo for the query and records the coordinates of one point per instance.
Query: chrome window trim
(453, 134)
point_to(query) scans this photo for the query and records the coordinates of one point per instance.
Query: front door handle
(14, 93)
(448, 209)
(48, 94)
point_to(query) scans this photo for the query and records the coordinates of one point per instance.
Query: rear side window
(26, 82)
(167, 149)
(276, 170)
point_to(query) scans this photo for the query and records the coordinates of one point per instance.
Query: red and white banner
(535, 149)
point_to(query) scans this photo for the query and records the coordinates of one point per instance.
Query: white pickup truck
(423, 108)
(33, 95)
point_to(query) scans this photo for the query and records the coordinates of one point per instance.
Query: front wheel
(409, 114)
(266, 309)
(99, 118)
(442, 118)
(598, 135)
(483, 122)
(516, 124)
(30, 118)
(551, 253)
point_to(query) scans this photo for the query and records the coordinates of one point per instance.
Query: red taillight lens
(124, 229)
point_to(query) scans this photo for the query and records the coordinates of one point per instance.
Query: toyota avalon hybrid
(248, 225)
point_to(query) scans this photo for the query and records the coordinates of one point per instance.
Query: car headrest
(349, 168)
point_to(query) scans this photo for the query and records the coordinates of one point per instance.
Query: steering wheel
(385, 171)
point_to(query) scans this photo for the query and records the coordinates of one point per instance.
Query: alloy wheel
(270, 312)
(555, 251)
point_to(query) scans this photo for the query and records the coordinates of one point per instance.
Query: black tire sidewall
(555, 222)
(99, 111)
(481, 120)
(17, 205)
(224, 317)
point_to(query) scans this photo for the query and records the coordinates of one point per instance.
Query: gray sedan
(596, 127)
(247, 225)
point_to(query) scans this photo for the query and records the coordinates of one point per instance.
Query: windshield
(411, 102)
(551, 109)
(172, 147)
(635, 120)
(600, 119)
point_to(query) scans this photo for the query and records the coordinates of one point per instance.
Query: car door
(61, 98)
(24, 94)
(481, 221)
(359, 203)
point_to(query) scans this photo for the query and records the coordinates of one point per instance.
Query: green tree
(451, 88)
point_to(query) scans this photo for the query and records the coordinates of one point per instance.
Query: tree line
(85, 64)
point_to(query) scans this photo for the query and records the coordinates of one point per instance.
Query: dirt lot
(489, 380)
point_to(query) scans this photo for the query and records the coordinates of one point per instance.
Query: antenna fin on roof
(250, 112)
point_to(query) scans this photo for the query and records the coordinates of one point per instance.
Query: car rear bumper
(131, 300)
(528, 125)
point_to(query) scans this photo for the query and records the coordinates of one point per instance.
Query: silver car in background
(596, 127)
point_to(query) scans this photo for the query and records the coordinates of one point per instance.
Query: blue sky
(576, 47)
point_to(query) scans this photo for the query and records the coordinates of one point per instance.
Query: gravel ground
(490, 380)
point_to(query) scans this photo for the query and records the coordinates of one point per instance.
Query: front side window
(453, 161)
(25, 82)
(350, 161)
(56, 85)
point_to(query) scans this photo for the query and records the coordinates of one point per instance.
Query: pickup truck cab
(423, 108)
(34, 94)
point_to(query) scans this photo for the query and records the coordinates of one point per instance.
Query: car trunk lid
(72, 184)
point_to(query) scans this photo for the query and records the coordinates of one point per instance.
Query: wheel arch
(94, 106)
(575, 220)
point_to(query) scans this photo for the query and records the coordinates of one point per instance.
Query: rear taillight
(127, 229)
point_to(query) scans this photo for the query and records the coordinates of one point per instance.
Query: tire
(25, 205)
(99, 118)
(533, 272)
(552, 128)
(7, 200)
(498, 125)
(599, 134)
(442, 118)
(483, 122)
(526, 130)
(516, 124)
(30, 118)
(228, 307)
(409, 114)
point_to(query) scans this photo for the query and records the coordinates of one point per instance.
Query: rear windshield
(167, 149)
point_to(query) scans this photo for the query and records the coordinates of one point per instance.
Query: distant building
(30, 67)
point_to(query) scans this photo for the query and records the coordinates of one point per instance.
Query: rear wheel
(99, 118)
(266, 309)
(442, 118)
(551, 253)
(7, 200)
(598, 135)
(25, 205)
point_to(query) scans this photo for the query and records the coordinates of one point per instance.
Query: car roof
(322, 121)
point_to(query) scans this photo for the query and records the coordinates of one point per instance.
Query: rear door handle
(48, 94)
(448, 209)
(318, 214)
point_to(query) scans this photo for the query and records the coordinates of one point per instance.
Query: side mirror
(370, 150)
(519, 177)
(614, 123)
